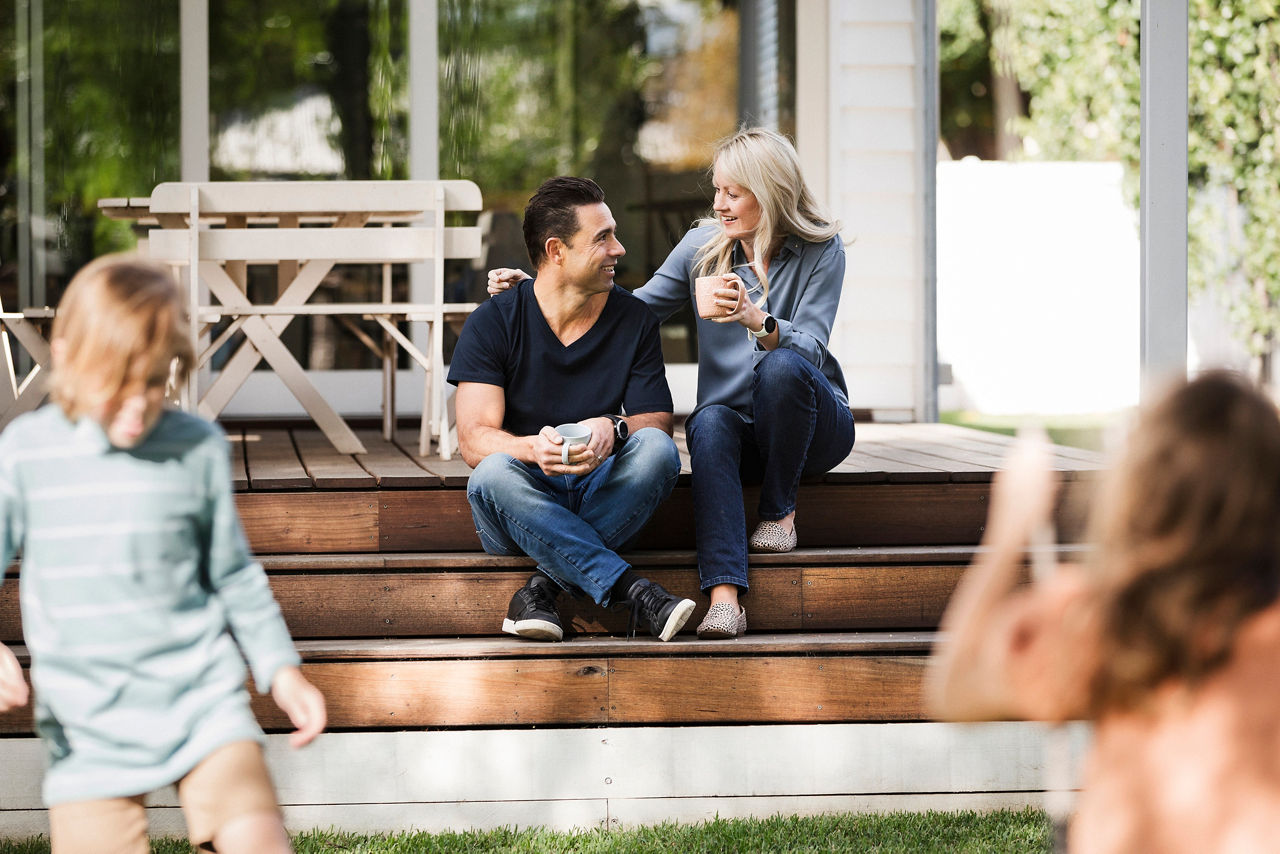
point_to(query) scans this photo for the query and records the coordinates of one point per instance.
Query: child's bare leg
(110, 826)
(253, 833)
(230, 804)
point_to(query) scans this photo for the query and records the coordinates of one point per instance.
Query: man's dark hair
(553, 212)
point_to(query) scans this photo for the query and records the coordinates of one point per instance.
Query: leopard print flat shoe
(772, 537)
(722, 623)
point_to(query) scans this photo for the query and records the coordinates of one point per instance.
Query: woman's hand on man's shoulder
(504, 278)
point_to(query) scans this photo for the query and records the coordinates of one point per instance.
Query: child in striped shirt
(138, 591)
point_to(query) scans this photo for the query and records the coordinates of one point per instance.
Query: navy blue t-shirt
(617, 364)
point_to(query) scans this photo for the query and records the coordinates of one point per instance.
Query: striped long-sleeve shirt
(136, 587)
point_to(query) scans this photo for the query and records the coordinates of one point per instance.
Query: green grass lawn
(917, 833)
(1076, 431)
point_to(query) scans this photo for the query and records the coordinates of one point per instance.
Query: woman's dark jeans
(800, 429)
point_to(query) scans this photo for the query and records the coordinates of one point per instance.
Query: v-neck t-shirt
(615, 366)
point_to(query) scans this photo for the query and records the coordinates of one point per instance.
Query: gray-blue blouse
(805, 281)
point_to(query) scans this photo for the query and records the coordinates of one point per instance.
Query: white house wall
(874, 184)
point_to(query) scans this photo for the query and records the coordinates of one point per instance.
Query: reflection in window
(88, 109)
(308, 90)
(632, 94)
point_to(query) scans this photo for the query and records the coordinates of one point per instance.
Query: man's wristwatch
(766, 329)
(620, 429)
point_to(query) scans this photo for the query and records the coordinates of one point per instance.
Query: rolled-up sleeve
(668, 290)
(809, 328)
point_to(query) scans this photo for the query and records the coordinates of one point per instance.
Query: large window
(88, 109)
(633, 93)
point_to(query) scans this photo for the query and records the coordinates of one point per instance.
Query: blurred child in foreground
(138, 590)
(1168, 639)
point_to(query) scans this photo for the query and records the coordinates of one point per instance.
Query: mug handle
(564, 451)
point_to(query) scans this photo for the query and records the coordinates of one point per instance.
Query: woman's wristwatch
(766, 328)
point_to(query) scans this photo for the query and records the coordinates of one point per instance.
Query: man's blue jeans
(572, 525)
(800, 429)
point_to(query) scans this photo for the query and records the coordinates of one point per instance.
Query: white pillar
(1164, 191)
(193, 84)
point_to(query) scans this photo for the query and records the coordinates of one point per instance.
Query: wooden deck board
(328, 468)
(272, 462)
(392, 467)
(884, 453)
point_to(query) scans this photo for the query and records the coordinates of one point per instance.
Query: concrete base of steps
(612, 777)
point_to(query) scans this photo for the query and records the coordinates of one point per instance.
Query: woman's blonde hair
(120, 320)
(1188, 534)
(765, 163)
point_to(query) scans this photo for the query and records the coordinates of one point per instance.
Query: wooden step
(497, 682)
(466, 594)
(828, 515)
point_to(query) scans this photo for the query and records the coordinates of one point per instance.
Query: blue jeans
(800, 429)
(572, 525)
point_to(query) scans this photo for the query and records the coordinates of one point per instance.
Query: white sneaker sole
(534, 629)
(678, 618)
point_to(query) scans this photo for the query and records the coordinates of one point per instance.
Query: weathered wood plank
(390, 466)
(1070, 463)
(429, 520)
(881, 597)
(452, 473)
(309, 521)
(376, 604)
(328, 468)
(864, 457)
(1088, 460)
(807, 689)
(272, 461)
(499, 692)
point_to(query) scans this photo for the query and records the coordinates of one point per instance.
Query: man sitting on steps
(568, 346)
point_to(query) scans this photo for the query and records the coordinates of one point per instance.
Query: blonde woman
(772, 403)
(1167, 638)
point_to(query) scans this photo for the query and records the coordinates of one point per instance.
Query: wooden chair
(22, 394)
(412, 219)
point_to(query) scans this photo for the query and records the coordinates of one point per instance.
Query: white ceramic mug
(572, 434)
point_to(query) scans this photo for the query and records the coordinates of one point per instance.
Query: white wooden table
(303, 229)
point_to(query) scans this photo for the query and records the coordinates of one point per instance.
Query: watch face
(770, 324)
(621, 430)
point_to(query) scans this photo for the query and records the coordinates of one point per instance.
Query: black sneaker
(532, 612)
(664, 613)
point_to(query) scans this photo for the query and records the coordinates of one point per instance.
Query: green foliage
(538, 88)
(1016, 832)
(966, 114)
(1079, 62)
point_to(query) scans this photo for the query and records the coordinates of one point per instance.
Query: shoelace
(540, 596)
(650, 600)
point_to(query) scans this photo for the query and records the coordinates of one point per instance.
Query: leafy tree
(1078, 60)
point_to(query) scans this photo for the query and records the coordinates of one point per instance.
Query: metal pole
(927, 11)
(1164, 192)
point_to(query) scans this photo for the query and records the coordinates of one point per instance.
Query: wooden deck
(397, 614)
(378, 570)
(300, 459)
